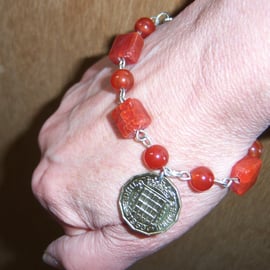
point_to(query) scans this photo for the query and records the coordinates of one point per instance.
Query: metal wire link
(182, 175)
(226, 182)
(161, 18)
(122, 95)
(143, 137)
(122, 63)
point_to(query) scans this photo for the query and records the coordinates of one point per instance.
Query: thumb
(90, 250)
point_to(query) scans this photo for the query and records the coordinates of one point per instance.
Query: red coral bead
(122, 78)
(202, 178)
(128, 46)
(247, 171)
(130, 116)
(145, 26)
(256, 149)
(155, 157)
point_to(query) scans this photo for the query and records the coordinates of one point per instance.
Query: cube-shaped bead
(130, 116)
(128, 46)
(247, 171)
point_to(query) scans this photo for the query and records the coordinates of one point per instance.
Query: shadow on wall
(26, 229)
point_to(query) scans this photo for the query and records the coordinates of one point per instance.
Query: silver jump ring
(161, 18)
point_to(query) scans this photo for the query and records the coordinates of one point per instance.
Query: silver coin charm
(150, 204)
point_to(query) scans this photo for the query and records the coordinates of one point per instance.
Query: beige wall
(44, 48)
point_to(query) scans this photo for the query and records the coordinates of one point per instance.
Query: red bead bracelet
(150, 203)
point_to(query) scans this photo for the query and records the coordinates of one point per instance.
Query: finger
(91, 250)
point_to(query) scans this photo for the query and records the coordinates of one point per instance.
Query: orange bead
(130, 116)
(155, 157)
(256, 149)
(145, 26)
(128, 46)
(247, 171)
(122, 78)
(202, 178)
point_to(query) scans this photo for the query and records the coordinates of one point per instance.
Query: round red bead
(202, 178)
(155, 157)
(122, 78)
(145, 26)
(255, 150)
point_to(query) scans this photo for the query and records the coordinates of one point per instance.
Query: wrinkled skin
(203, 78)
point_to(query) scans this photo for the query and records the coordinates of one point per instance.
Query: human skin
(204, 78)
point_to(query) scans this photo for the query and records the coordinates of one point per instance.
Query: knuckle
(43, 139)
(44, 134)
(37, 177)
(44, 184)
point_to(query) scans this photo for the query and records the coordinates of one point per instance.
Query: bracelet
(149, 202)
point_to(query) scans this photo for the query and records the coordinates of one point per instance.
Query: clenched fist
(204, 78)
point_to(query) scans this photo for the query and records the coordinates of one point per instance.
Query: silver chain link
(182, 175)
(142, 137)
(227, 182)
(122, 63)
(122, 95)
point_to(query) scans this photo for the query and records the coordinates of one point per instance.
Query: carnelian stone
(247, 171)
(122, 78)
(128, 46)
(130, 116)
(155, 157)
(256, 149)
(145, 26)
(202, 178)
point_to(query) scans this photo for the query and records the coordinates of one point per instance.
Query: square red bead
(130, 116)
(128, 46)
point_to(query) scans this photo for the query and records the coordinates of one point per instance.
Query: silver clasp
(161, 18)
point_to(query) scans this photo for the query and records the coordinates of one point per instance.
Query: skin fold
(204, 78)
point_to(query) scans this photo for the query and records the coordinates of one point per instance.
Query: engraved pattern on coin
(148, 204)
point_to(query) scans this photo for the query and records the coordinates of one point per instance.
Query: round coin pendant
(149, 204)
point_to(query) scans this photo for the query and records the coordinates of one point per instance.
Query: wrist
(200, 124)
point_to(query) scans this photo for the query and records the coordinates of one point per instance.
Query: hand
(202, 78)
